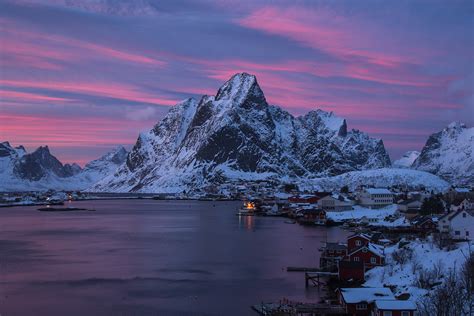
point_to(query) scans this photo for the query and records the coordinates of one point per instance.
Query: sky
(83, 76)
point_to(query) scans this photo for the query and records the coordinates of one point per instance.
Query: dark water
(145, 257)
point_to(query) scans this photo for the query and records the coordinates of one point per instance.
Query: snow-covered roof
(376, 249)
(363, 235)
(395, 305)
(378, 191)
(462, 190)
(366, 294)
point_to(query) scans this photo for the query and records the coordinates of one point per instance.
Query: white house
(458, 224)
(376, 198)
(335, 203)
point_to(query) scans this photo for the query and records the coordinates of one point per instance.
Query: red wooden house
(357, 241)
(371, 255)
(351, 271)
(359, 301)
(306, 198)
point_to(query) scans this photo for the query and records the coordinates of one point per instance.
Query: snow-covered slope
(383, 177)
(406, 160)
(104, 166)
(40, 170)
(424, 256)
(449, 154)
(237, 135)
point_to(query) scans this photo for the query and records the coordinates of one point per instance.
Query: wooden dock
(303, 269)
(314, 278)
(296, 308)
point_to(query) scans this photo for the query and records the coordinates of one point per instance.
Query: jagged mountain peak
(328, 121)
(449, 154)
(237, 135)
(242, 89)
(456, 125)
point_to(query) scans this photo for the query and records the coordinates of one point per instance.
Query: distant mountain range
(40, 170)
(237, 135)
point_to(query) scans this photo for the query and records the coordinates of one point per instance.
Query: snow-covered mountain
(104, 166)
(406, 160)
(40, 170)
(449, 154)
(379, 178)
(236, 134)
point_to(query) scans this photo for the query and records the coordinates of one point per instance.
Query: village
(405, 247)
(404, 250)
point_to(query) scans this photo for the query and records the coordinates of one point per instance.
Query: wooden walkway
(295, 308)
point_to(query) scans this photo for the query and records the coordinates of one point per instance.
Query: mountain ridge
(236, 134)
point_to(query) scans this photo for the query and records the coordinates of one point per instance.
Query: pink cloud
(40, 49)
(100, 89)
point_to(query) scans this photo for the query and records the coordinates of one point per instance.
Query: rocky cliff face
(236, 134)
(449, 154)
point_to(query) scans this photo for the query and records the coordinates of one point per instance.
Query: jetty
(298, 309)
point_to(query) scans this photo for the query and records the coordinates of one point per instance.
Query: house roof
(362, 235)
(395, 305)
(366, 294)
(420, 219)
(453, 214)
(462, 190)
(378, 191)
(406, 202)
(375, 249)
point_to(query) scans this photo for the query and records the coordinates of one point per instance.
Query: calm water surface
(146, 257)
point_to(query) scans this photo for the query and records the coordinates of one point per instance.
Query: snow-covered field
(359, 212)
(380, 178)
(425, 255)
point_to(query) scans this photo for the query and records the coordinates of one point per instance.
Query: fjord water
(147, 257)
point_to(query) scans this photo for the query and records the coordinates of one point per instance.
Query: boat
(290, 222)
(248, 209)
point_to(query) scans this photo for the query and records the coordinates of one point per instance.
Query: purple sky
(84, 76)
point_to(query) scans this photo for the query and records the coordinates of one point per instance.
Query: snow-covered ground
(425, 256)
(359, 212)
(381, 178)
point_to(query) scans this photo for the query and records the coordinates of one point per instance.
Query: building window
(358, 243)
(373, 260)
(457, 233)
(361, 306)
(405, 313)
(387, 313)
(356, 258)
(467, 233)
(364, 250)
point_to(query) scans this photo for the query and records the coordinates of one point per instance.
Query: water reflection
(151, 257)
